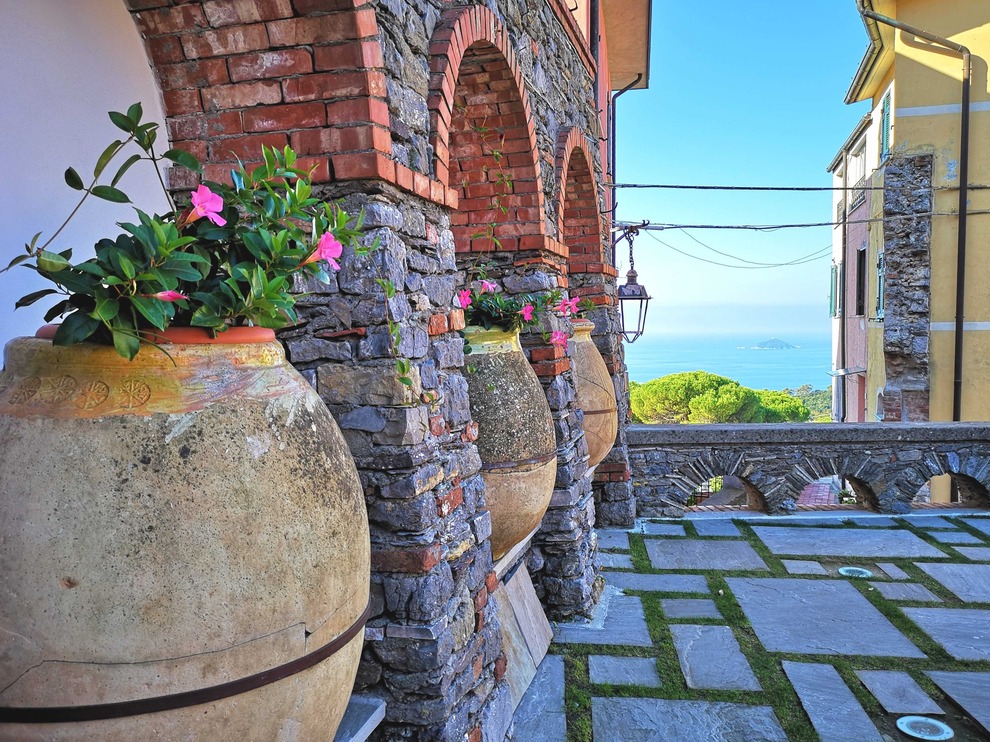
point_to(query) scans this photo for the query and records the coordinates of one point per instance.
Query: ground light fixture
(634, 299)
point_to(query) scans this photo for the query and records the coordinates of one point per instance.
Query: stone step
(362, 717)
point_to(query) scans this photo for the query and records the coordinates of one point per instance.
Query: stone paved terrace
(742, 630)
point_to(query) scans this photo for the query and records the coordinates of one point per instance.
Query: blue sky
(740, 94)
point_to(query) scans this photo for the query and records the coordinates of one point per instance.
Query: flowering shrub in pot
(225, 259)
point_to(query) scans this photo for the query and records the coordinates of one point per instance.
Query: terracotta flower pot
(184, 548)
(515, 435)
(595, 392)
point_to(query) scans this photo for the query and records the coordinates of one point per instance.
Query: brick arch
(579, 219)
(236, 75)
(483, 135)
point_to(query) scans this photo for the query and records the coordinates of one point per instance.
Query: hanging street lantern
(633, 298)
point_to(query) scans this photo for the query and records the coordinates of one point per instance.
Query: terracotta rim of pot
(190, 335)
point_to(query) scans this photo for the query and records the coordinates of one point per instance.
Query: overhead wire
(774, 227)
(817, 255)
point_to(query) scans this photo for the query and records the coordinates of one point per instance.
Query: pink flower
(167, 296)
(558, 337)
(488, 287)
(527, 312)
(327, 249)
(464, 298)
(568, 306)
(206, 203)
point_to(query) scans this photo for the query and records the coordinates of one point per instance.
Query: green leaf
(126, 343)
(108, 193)
(50, 262)
(26, 301)
(108, 154)
(135, 112)
(75, 328)
(122, 122)
(16, 261)
(152, 310)
(124, 168)
(106, 309)
(183, 158)
(73, 180)
(58, 310)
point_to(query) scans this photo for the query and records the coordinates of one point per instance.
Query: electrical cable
(774, 227)
(736, 257)
(817, 255)
(784, 189)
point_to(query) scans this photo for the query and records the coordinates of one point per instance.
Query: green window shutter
(880, 285)
(833, 292)
(885, 128)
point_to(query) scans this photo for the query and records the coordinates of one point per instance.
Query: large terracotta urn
(516, 438)
(595, 392)
(184, 550)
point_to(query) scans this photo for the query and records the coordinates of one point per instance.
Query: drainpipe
(963, 52)
(611, 139)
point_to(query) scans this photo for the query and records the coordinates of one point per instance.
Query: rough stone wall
(886, 464)
(371, 95)
(907, 234)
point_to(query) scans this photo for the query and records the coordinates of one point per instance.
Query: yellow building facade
(915, 157)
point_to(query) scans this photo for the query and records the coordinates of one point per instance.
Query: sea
(734, 355)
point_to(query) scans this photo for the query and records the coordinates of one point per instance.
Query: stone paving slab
(955, 537)
(971, 690)
(613, 538)
(614, 561)
(898, 693)
(928, 521)
(659, 720)
(849, 542)
(657, 583)
(623, 670)
(963, 632)
(834, 711)
(817, 617)
(689, 608)
(893, 571)
(619, 621)
(662, 529)
(976, 553)
(803, 567)
(696, 554)
(969, 582)
(716, 528)
(906, 591)
(980, 524)
(710, 658)
(540, 714)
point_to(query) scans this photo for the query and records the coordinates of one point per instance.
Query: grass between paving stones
(777, 691)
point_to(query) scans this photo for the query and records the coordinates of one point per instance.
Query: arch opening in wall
(728, 492)
(581, 222)
(492, 163)
(952, 489)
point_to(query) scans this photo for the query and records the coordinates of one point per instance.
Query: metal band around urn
(535, 461)
(102, 711)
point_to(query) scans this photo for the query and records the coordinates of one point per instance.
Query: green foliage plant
(226, 259)
(702, 397)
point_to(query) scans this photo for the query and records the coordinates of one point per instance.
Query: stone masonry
(438, 120)
(885, 464)
(907, 236)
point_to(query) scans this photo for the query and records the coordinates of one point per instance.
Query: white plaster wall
(64, 64)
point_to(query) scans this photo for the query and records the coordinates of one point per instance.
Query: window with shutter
(833, 292)
(885, 128)
(880, 286)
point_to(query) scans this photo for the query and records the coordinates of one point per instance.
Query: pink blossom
(527, 312)
(206, 203)
(558, 337)
(488, 287)
(327, 249)
(464, 298)
(568, 306)
(167, 296)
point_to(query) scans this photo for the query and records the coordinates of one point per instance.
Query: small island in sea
(773, 344)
